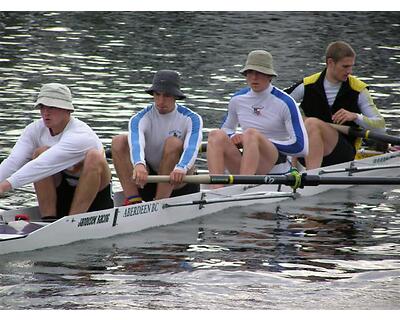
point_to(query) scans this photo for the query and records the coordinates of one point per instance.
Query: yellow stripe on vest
(311, 79)
(357, 84)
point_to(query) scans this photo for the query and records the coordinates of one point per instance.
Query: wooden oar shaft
(366, 134)
(289, 180)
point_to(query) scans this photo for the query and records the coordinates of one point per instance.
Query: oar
(366, 134)
(295, 180)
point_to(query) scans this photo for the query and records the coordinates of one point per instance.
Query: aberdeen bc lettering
(145, 208)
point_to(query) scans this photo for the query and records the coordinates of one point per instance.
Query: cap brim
(263, 70)
(56, 103)
(178, 95)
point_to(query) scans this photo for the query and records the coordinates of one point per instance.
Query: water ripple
(319, 253)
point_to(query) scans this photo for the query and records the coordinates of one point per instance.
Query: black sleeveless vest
(315, 103)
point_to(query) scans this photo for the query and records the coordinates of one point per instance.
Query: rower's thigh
(172, 145)
(96, 161)
(119, 142)
(323, 131)
(330, 137)
(220, 145)
(268, 155)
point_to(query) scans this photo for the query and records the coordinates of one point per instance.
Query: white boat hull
(129, 219)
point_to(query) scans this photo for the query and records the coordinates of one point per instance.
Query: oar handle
(366, 134)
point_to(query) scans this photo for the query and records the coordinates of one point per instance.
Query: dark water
(337, 251)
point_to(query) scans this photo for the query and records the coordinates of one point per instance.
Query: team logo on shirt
(175, 133)
(257, 109)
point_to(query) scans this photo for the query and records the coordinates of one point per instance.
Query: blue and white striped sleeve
(193, 138)
(136, 139)
(297, 144)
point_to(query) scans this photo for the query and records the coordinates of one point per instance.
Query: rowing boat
(18, 236)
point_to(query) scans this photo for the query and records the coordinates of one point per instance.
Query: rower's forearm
(371, 123)
(370, 117)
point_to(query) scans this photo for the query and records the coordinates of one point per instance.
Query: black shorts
(149, 191)
(282, 158)
(65, 194)
(344, 151)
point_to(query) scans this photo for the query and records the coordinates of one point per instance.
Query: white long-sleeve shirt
(149, 129)
(66, 149)
(274, 114)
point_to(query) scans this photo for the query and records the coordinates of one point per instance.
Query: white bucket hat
(55, 95)
(261, 61)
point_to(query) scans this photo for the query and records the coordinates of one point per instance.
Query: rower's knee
(119, 144)
(250, 134)
(173, 145)
(312, 124)
(95, 161)
(216, 137)
(39, 151)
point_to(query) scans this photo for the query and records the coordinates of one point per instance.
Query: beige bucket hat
(55, 95)
(261, 61)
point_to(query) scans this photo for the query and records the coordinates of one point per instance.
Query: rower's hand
(140, 175)
(237, 140)
(5, 186)
(176, 177)
(343, 116)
